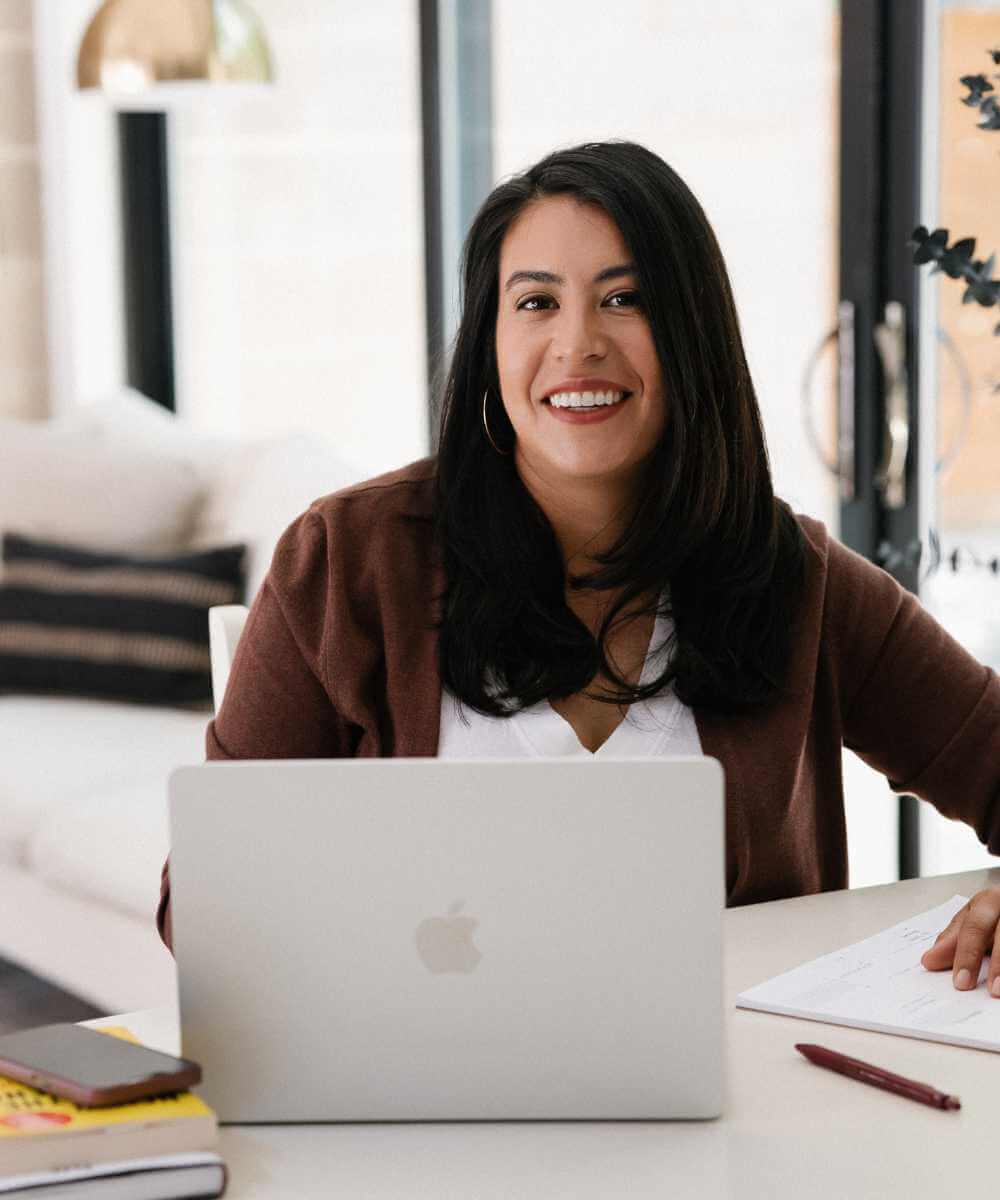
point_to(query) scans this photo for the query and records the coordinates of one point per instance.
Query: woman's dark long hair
(708, 533)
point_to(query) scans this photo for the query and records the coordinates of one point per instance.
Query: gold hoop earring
(489, 435)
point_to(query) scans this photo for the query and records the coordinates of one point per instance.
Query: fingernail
(963, 978)
(995, 989)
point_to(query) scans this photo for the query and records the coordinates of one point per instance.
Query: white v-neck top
(660, 726)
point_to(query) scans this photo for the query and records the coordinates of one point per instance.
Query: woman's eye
(533, 303)
(628, 300)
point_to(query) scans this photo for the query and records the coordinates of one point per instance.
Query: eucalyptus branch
(956, 261)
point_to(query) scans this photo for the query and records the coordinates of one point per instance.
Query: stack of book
(161, 1149)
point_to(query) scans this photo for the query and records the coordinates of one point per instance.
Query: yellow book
(41, 1132)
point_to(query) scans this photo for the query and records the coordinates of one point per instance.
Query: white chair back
(225, 624)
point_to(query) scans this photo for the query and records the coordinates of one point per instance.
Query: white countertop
(789, 1128)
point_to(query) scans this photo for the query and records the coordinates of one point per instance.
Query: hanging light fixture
(165, 46)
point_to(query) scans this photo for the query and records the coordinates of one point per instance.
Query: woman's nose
(579, 335)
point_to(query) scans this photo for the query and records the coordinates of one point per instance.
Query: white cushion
(57, 751)
(107, 846)
(258, 491)
(129, 418)
(251, 490)
(77, 483)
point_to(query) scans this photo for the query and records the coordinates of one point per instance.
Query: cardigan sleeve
(915, 704)
(277, 702)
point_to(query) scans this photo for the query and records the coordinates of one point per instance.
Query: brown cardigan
(339, 658)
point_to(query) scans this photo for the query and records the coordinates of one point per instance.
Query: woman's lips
(587, 416)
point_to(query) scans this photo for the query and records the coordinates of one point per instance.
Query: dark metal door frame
(880, 115)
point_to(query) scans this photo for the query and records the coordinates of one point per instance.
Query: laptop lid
(415, 939)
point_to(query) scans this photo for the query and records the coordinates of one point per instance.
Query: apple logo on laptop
(445, 943)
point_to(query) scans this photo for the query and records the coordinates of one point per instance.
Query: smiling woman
(595, 563)
(600, 329)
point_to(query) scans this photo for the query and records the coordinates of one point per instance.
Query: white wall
(80, 214)
(298, 238)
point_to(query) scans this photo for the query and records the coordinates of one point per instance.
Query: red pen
(854, 1068)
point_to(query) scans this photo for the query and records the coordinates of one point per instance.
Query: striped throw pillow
(128, 627)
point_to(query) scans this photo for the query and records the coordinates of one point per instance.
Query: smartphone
(91, 1068)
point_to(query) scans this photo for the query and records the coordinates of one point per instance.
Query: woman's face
(579, 375)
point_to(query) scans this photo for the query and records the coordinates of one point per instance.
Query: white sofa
(83, 827)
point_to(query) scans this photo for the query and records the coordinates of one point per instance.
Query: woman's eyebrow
(549, 277)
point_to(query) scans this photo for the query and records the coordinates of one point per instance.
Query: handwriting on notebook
(880, 984)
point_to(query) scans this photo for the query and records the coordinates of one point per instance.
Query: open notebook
(880, 984)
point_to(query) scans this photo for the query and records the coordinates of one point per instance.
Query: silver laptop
(413, 939)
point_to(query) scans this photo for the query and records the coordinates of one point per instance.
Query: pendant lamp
(167, 46)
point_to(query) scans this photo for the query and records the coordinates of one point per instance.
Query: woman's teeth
(585, 399)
